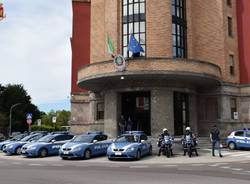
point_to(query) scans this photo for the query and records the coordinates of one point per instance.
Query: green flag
(111, 49)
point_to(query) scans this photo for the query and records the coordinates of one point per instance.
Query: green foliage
(62, 118)
(12, 94)
(46, 128)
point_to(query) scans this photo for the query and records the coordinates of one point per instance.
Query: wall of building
(243, 14)
(80, 41)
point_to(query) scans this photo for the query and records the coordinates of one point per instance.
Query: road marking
(138, 166)
(35, 164)
(217, 164)
(169, 165)
(225, 167)
(113, 166)
(240, 154)
(247, 171)
(237, 169)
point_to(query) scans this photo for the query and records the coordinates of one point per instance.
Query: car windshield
(27, 138)
(18, 137)
(46, 138)
(128, 138)
(82, 138)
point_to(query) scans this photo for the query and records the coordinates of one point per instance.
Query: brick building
(195, 70)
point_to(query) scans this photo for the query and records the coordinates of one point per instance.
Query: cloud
(35, 48)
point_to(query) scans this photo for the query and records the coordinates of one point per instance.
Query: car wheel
(43, 152)
(138, 155)
(18, 151)
(87, 154)
(232, 146)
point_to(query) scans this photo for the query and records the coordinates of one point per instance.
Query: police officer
(161, 137)
(192, 136)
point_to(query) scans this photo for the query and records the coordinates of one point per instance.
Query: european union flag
(134, 46)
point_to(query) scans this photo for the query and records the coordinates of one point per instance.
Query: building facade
(194, 70)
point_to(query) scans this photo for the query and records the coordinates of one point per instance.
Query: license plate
(66, 152)
(118, 153)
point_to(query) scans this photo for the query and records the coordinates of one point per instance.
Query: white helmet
(164, 129)
(188, 128)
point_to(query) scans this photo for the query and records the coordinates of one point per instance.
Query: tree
(12, 94)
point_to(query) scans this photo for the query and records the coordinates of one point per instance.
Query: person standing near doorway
(122, 124)
(215, 139)
(129, 124)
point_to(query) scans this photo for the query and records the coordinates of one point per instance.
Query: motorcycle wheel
(167, 152)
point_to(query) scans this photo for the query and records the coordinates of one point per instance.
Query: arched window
(134, 22)
(179, 28)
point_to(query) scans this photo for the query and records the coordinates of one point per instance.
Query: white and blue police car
(16, 138)
(46, 146)
(14, 148)
(131, 145)
(85, 146)
(239, 139)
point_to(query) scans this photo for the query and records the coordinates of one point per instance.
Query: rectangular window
(231, 64)
(100, 111)
(229, 3)
(230, 26)
(134, 22)
(233, 104)
(179, 29)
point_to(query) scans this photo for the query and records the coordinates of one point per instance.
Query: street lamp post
(11, 108)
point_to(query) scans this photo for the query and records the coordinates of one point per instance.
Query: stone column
(162, 111)
(225, 112)
(92, 107)
(110, 113)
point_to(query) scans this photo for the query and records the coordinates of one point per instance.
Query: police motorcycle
(165, 143)
(166, 146)
(189, 145)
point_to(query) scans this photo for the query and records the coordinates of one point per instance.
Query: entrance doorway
(136, 106)
(181, 112)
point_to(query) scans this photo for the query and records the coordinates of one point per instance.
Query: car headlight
(32, 148)
(131, 149)
(78, 148)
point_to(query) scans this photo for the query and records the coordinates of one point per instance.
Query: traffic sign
(54, 119)
(39, 122)
(29, 121)
(29, 116)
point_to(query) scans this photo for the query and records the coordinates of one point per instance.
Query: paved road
(52, 170)
(23, 172)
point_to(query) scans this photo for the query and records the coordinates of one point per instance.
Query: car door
(239, 138)
(104, 144)
(247, 138)
(58, 142)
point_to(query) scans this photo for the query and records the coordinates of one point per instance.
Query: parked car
(16, 138)
(85, 146)
(131, 145)
(46, 146)
(239, 139)
(15, 146)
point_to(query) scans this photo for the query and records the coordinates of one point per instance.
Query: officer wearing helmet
(161, 137)
(188, 133)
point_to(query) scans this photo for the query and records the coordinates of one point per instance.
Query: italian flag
(111, 49)
(2, 15)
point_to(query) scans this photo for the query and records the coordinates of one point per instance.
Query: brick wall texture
(207, 32)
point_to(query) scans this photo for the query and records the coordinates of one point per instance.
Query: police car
(16, 138)
(239, 139)
(85, 146)
(47, 145)
(15, 147)
(131, 145)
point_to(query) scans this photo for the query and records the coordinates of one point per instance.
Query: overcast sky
(35, 49)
